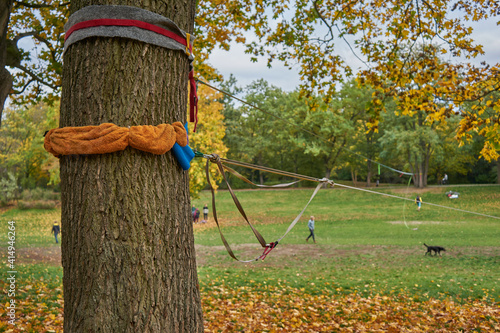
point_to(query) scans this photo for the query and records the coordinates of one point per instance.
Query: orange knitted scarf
(108, 138)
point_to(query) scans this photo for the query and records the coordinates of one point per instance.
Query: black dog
(437, 249)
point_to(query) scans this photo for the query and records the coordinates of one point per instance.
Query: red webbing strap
(193, 101)
(268, 249)
(259, 237)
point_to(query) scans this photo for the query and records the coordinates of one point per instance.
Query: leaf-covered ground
(285, 309)
(39, 305)
(280, 309)
(367, 272)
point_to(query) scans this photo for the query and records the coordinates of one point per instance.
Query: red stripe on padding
(127, 23)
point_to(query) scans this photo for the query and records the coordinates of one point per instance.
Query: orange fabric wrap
(181, 135)
(108, 138)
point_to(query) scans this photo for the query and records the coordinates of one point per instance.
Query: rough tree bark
(5, 76)
(498, 170)
(127, 246)
(369, 172)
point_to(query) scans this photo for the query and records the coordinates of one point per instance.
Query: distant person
(56, 230)
(196, 215)
(193, 213)
(310, 225)
(205, 213)
(418, 201)
(445, 179)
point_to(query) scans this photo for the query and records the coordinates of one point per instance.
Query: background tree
(294, 142)
(127, 246)
(478, 170)
(482, 114)
(333, 128)
(259, 143)
(5, 76)
(413, 140)
(363, 149)
(21, 145)
(36, 66)
(269, 133)
(450, 159)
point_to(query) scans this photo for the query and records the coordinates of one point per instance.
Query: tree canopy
(282, 133)
(399, 42)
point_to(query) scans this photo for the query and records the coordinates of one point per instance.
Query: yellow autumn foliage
(207, 138)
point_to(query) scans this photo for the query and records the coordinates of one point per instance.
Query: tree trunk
(354, 176)
(498, 170)
(127, 246)
(417, 173)
(369, 173)
(328, 171)
(261, 174)
(426, 166)
(420, 175)
(5, 76)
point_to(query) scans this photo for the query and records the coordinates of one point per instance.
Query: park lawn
(365, 243)
(366, 272)
(347, 217)
(33, 227)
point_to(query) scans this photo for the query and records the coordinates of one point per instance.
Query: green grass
(37, 281)
(349, 217)
(379, 272)
(358, 248)
(33, 227)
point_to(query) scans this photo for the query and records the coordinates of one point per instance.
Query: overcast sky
(238, 63)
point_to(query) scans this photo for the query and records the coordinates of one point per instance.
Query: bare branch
(36, 5)
(18, 92)
(36, 34)
(25, 34)
(36, 77)
(315, 4)
(48, 44)
(330, 28)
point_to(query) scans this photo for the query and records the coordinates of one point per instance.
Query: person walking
(56, 230)
(310, 225)
(418, 201)
(205, 213)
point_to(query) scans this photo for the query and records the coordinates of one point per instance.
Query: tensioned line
(303, 177)
(427, 203)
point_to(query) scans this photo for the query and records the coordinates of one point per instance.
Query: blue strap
(183, 155)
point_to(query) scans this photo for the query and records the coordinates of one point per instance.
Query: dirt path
(280, 256)
(52, 255)
(35, 255)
